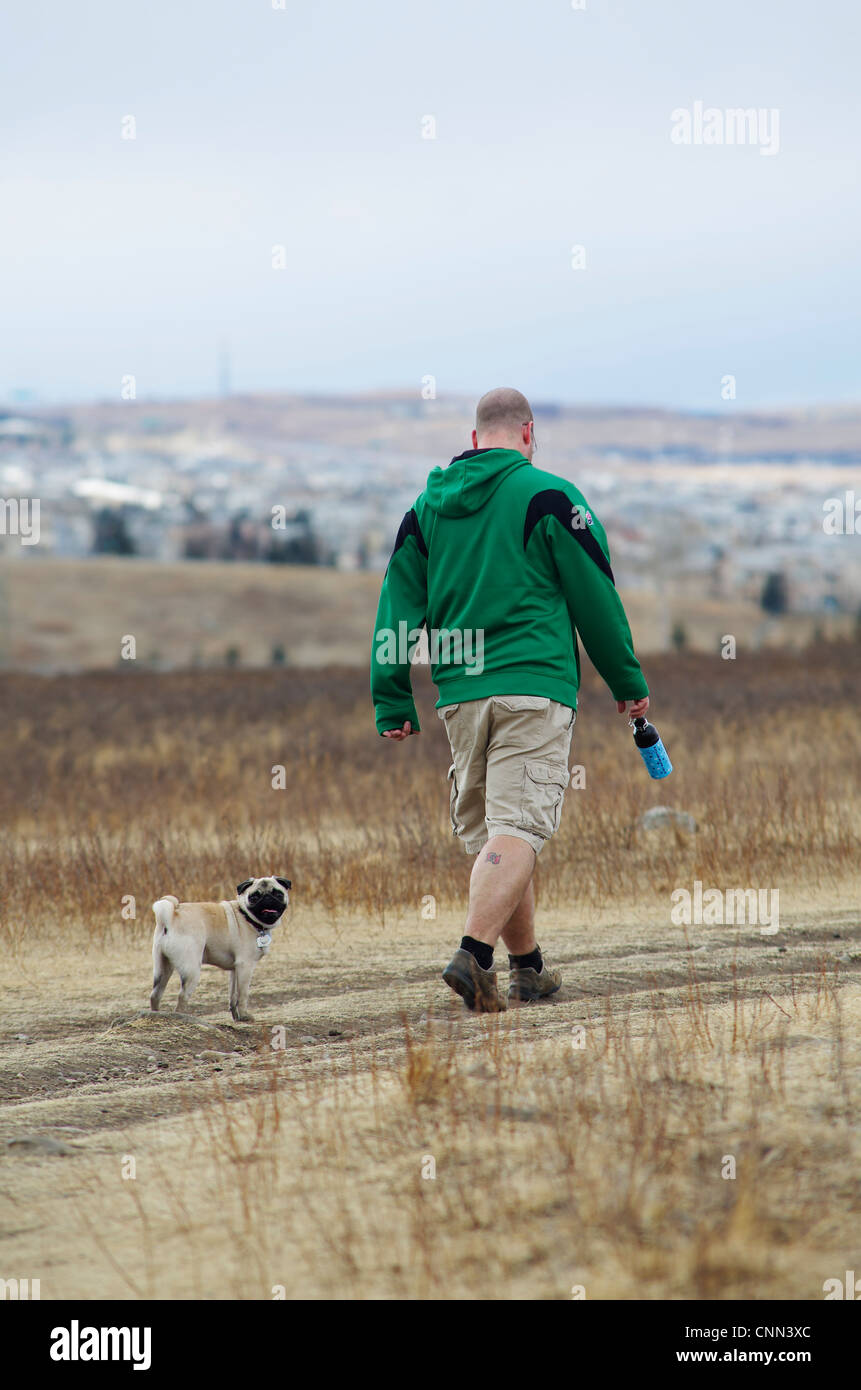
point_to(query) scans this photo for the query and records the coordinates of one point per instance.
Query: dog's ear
(241, 887)
(285, 882)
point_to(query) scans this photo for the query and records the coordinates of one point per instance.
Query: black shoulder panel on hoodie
(555, 502)
(409, 527)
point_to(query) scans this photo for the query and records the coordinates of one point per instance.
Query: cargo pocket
(543, 791)
(452, 799)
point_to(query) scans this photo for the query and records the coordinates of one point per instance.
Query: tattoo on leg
(494, 858)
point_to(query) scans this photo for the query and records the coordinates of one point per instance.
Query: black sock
(480, 949)
(533, 961)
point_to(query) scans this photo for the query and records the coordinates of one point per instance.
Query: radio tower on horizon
(224, 371)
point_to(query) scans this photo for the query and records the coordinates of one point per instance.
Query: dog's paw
(241, 1017)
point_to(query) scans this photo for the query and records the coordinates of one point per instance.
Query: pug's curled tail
(164, 910)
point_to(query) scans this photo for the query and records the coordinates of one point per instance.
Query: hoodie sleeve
(401, 614)
(578, 545)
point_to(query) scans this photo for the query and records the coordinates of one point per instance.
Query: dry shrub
(137, 783)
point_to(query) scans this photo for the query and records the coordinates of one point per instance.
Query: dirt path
(262, 1151)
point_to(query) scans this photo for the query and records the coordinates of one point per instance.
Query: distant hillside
(73, 614)
(405, 423)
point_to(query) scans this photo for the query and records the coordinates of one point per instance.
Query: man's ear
(241, 887)
(475, 439)
(285, 883)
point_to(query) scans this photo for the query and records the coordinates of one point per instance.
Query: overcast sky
(405, 257)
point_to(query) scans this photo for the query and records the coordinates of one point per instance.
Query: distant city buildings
(236, 480)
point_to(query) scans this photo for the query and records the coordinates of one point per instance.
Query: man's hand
(638, 707)
(405, 732)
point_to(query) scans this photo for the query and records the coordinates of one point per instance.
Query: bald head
(502, 409)
(503, 420)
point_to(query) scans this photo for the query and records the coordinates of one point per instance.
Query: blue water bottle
(652, 750)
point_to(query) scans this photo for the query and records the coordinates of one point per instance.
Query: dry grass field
(365, 1137)
(71, 615)
(67, 615)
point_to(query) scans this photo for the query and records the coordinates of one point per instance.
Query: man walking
(505, 565)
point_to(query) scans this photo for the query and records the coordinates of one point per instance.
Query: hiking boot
(528, 985)
(476, 987)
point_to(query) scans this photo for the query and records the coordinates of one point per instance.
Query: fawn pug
(233, 935)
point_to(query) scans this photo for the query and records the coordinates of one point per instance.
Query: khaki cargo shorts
(510, 767)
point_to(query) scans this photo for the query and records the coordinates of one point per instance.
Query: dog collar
(258, 926)
(264, 940)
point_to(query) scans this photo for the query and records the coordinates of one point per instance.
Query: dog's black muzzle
(267, 907)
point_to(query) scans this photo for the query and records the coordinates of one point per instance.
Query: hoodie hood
(470, 480)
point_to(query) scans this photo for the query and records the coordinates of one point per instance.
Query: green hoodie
(504, 565)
